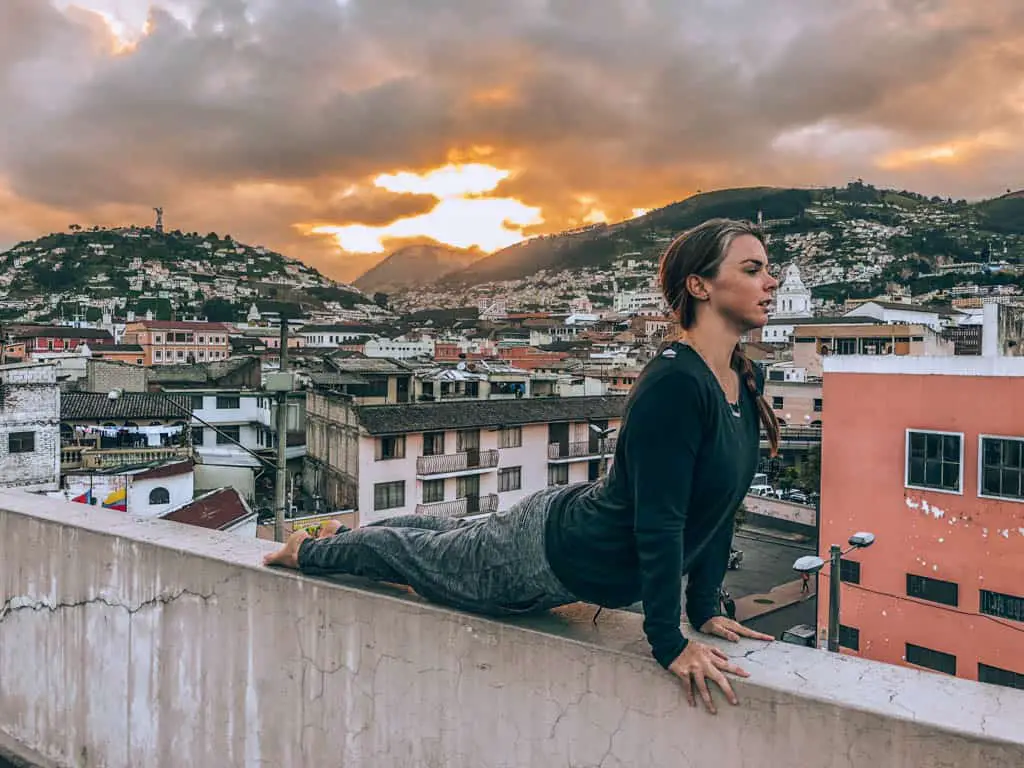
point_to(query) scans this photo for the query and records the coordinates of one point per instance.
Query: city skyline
(317, 126)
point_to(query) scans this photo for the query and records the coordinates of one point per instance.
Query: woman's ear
(696, 288)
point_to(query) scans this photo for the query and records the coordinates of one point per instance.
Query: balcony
(455, 464)
(80, 457)
(580, 451)
(469, 505)
(796, 437)
(123, 602)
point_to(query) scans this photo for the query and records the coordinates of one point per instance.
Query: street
(767, 562)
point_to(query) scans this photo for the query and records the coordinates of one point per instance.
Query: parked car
(796, 496)
(763, 490)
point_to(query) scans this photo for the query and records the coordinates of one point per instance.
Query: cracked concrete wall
(126, 642)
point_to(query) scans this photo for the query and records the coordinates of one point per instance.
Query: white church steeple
(792, 299)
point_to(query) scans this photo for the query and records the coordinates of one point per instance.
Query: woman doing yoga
(687, 451)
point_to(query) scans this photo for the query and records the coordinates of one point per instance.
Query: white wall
(180, 487)
(30, 403)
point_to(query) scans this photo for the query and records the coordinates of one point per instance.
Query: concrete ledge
(129, 642)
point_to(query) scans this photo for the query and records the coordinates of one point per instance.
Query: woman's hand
(722, 626)
(696, 664)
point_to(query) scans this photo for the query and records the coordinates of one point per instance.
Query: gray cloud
(255, 115)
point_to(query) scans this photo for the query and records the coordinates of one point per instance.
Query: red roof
(215, 510)
(177, 325)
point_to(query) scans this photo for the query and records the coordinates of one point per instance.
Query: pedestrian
(805, 587)
(687, 452)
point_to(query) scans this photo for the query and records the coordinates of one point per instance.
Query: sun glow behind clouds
(462, 217)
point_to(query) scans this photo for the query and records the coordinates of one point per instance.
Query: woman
(687, 452)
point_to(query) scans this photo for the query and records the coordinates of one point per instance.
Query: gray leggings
(495, 565)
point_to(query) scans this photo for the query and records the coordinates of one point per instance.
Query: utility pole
(281, 486)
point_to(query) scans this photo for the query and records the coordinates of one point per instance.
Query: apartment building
(927, 453)
(169, 342)
(43, 341)
(814, 342)
(452, 458)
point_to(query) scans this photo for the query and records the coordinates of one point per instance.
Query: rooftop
(177, 642)
(216, 510)
(467, 414)
(130, 405)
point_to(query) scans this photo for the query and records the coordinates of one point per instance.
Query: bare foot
(329, 528)
(288, 555)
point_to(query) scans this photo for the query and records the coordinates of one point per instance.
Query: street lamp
(602, 435)
(812, 564)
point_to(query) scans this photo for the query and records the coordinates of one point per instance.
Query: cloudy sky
(325, 127)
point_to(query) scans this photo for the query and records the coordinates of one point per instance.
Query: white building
(908, 314)
(333, 335)
(453, 459)
(29, 427)
(632, 301)
(147, 491)
(399, 349)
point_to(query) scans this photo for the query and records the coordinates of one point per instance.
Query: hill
(139, 268)
(933, 227)
(600, 244)
(415, 265)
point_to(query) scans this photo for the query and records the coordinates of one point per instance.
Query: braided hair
(700, 251)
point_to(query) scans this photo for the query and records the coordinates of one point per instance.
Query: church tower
(792, 299)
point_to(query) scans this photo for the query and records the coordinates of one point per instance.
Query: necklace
(734, 405)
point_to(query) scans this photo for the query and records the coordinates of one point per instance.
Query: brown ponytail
(764, 411)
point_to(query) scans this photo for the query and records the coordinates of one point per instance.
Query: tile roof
(130, 405)
(467, 414)
(855, 320)
(60, 332)
(216, 510)
(178, 325)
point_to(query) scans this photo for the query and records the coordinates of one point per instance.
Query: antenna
(159, 219)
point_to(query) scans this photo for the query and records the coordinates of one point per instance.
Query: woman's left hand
(722, 626)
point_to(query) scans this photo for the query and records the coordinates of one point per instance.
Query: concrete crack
(22, 603)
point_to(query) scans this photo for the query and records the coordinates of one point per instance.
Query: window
(198, 436)
(1002, 468)
(931, 659)
(510, 479)
(389, 495)
(849, 571)
(777, 401)
(510, 437)
(159, 496)
(846, 346)
(776, 376)
(228, 402)
(179, 354)
(934, 461)
(433, 491)
(1003, 606)
(378, 387)
(817, 405)
(933, 590)
(558, 474)
(158, 355)
(849, 637)
(997, 676)
(159, 338)
(21, 442)
(391, 447)
(467, 440)
(230, 435)
(197, 402)
(433, 443)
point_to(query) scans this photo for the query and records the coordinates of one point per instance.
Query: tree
(788, 478)
(810, 471)
(219, 311)
(741, 516)
(381, 300)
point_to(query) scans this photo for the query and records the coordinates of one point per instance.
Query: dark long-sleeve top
(683, 462)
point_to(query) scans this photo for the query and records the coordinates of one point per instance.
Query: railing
(71, 458)
(121, 457)
(456, 462)
(468, 505)
(804, 434)
(581, 450)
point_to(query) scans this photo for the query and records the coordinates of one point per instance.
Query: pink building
(927, 453)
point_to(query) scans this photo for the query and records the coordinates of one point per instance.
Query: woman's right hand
(699, 662)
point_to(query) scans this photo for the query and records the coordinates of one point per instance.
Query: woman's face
(743, 292)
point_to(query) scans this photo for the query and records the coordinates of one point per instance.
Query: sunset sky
(335, 130)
